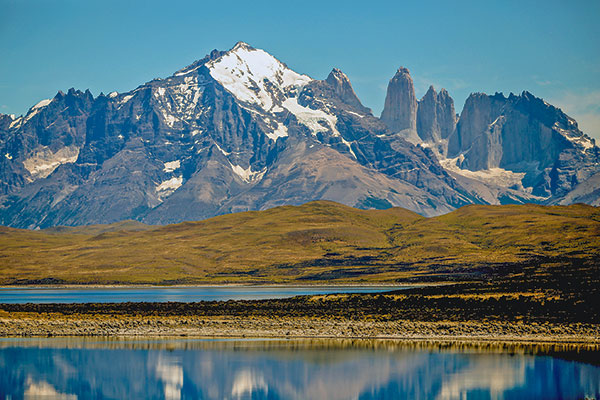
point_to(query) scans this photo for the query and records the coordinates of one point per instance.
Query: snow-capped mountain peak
(255, 76)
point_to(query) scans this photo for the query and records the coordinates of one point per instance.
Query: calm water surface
(164, 294)
(278, 369)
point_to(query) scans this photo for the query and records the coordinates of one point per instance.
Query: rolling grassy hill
(317, 242)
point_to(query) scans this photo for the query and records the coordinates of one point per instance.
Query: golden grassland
(314, 243)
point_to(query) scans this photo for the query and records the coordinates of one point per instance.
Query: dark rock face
(587, 192)
(436, 117)
(5, 121)
(34, 145)
(400, 109)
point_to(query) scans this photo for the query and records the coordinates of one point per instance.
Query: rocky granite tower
(400, 109)
(480, 111)
(436, 118)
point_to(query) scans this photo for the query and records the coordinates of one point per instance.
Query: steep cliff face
(400, 108)
(479, 112)
(436, 117)
(5, 121)
(523, 135)
(503, 149)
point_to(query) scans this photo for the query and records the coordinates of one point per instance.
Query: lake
(88, 368)
(177, 294)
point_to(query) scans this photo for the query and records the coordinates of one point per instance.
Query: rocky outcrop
(400, 108)
(49, 135)
(587, 192)
(436, 117)
(5, 121)
(343, 90)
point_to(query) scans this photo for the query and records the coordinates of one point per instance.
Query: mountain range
(239, 130)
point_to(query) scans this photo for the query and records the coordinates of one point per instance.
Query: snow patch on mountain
(315, 120)
(225, 153)
(169, 119)
(18, 121)
(187, 70)
(125, 99)
(579, 141)
(280, 131)
(35, 109)
(355, 114)
(247, 174)
(254, 76)
(42, 104)
(172, 166)
(166, 188)
(44, 161)
(493, 176)
(178, 99)
(349, 145)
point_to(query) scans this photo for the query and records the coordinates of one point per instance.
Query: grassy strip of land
(316, 243)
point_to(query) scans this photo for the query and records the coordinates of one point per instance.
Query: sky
(550, 48)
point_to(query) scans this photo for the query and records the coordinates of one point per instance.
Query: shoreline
(515, 341)
(502, 311)
(224, 285)
(37, 325)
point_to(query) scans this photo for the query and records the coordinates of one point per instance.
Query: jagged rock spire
(436, 118)
(400, 109)
(343, 88)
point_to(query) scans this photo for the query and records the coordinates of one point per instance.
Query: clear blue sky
(550, 48)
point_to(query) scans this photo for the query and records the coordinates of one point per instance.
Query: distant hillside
(317, 242)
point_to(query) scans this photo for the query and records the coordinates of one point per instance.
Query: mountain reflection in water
(71, 368)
